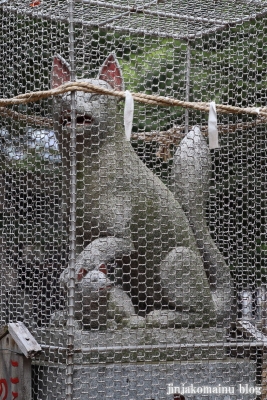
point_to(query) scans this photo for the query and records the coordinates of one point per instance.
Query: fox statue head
(98, 125)
(96, 115)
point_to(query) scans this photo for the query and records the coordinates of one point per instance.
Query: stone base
(161, 381)
(151, 365)
(209, 380)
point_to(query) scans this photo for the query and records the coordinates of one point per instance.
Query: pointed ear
(60, 72)
(111, 72)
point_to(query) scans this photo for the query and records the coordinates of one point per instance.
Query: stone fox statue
(129, 221)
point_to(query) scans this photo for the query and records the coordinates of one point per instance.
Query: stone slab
(136, 345)
(139, 364)
(229, 379)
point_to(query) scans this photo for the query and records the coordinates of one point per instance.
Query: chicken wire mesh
(138, 266)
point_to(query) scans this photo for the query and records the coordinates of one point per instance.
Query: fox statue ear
(110, 72)
(60, 72)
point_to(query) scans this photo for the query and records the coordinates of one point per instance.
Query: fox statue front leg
(126, 216)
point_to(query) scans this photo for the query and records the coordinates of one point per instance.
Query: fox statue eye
(94, 97)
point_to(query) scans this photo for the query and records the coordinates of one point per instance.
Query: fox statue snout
(127, 218)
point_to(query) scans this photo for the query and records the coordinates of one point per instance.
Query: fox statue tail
(190, 184)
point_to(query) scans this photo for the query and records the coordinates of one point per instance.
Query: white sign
(15, 371)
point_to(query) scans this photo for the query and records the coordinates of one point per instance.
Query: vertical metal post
(72, 235)
(187, 85)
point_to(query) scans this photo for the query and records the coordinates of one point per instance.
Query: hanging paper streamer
(212, 127)
(128, 114)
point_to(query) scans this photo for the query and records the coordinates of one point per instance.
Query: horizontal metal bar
(108, 27)
(256, 2)
(152, 33)
(113, 5)
(173, 346)
(143, 10)
(50, 347)
(137, 9)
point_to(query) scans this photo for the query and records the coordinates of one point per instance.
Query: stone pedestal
(147, 364)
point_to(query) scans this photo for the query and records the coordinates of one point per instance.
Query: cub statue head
(96, 114)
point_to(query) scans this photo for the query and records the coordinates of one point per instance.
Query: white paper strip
(128, 114)
(212, 127)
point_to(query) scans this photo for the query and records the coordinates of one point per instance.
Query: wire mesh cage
(133, 248)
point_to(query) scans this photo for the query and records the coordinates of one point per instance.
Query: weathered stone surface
(151, 381)
(131, 344)
(132, 381)
(122, 205)
(140, 364)
(191, 174)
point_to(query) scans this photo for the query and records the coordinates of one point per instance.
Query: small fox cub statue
(138, 260)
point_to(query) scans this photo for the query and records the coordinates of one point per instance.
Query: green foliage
(232, 67)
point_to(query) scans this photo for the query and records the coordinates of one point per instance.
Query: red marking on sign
(15, 395)
(14, 380)
(14, 363)
(3, 389)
